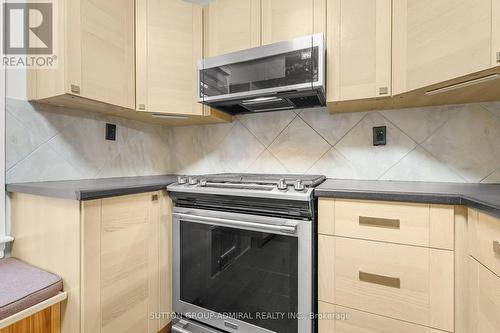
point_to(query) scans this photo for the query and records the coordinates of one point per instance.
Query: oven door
(243, 273)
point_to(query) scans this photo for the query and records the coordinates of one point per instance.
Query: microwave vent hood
(281, 76)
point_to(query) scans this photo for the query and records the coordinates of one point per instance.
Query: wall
(451, 143)
(52, 143)
(47, 143)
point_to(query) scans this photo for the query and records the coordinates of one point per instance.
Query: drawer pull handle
(379, 222)
(496, 247)
(387, 281)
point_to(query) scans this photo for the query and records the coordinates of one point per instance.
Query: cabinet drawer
(408, 283)
(337, 319)
(484, 239)
(404, 223)
(484, 292)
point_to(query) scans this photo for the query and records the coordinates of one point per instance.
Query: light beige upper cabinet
(287, 19)
(358, 49)
(169, 42)
(495, 29)
(231, 25)
(435, 41)
(107, 52)
(95, 54)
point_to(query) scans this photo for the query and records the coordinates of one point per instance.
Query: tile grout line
(40, 147)
(436, 130)
(277, 159)
(319, 159)
(343, 136)
(489, 111)
(452, 168)
(349, 131)
(328, 143)
(255, 135)
(43, 143)
(420, 145)
(97, 118)
(24, 158)
(497, 169)
(39, 112)
(407, 153)
(389, 121)
(256, 138)
(55, 152)
(396, 163)
(298, 115)
(281, 132)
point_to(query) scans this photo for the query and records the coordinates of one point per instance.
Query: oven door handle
(289, 228)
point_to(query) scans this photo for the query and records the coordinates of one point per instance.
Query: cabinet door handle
(383, 90)
(382, 280)
(379, 222)
(496, 247)
(142, 106)
(498, 56)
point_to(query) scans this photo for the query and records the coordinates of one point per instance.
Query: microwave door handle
(289, 229)
(261, 100)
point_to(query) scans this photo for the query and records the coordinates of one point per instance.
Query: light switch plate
(111, 132)
(379, 135)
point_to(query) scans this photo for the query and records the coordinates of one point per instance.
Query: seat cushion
(22, 286)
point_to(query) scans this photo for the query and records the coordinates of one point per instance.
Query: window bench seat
(29, 298)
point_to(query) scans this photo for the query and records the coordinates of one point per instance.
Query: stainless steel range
(244, 249)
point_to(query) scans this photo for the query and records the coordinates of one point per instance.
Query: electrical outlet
(111, 132)
(379, 136)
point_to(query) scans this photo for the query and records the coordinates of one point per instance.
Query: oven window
(252, 275)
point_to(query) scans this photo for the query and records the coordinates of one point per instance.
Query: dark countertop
(485, 197)
(88, 189)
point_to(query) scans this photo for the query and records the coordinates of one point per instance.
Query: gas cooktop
(276, 186)
(308, 180)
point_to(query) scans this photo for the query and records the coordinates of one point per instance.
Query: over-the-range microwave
(281, 76)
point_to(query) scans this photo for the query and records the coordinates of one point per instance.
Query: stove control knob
(282, 184)
(299, 185)
(203, 182)
(192, 181)
(181, 180)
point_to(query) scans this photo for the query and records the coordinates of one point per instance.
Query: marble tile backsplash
(45, 143)
(459, 143)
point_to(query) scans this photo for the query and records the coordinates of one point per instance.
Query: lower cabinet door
(409, 283)
(484, 239)
(484, 302)
(123, 273)
(337, 319)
